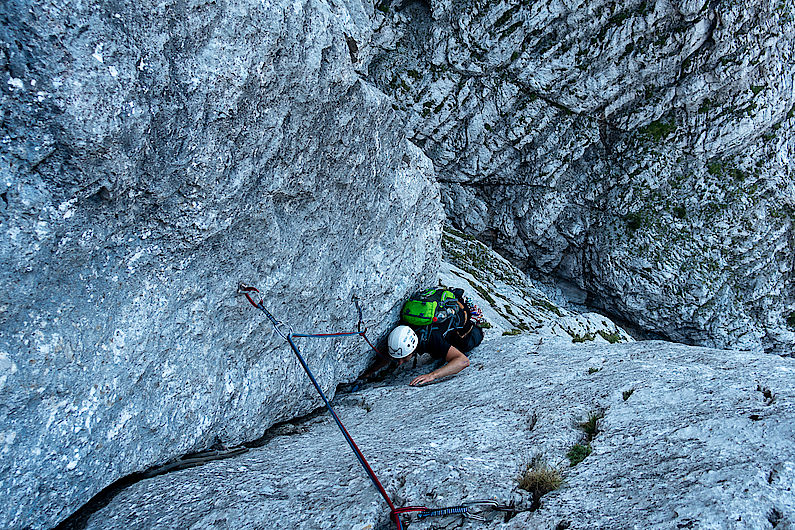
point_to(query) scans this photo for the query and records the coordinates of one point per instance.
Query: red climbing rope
(278, 326)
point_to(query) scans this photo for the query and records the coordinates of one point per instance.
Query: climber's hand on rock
(422, 379)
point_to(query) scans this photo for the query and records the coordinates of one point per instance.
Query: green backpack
(428, 307)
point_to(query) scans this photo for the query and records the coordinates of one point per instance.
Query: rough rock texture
(642, 149)
(691, 438)
(154, 154)
(510, 301)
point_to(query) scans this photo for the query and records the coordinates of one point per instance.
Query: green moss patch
(578, 453)
(658, 129)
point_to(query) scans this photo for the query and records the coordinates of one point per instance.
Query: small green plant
(582, 338)
(626, 393)
(618, 19)
(578, 453)
(591, 425)
(539, 478)
(791, 320)
(549, 306)
(658, 129)
(634, 221)
(484, 294)
(592, 370)
(507, 15)
(705, 106)
(612, 338)
(718, 169)
(715, 168)
(680, 212)
(511, 332)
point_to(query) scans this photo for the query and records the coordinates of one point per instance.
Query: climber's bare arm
(455, 362)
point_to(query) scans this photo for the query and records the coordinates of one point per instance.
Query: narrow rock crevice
(79, 519)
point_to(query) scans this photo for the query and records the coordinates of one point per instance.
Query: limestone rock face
(689, 437)
(681, 436)
(511, 302)
(153, 155)
(641, 149)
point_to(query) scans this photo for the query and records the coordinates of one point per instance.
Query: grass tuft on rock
(612, 338)
(591, 425)
(539, 478)
(658, 129)
(575, 338)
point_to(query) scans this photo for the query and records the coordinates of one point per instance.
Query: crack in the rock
(708, 41)
(79, 519)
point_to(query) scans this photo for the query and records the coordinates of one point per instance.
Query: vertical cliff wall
(641, 149)
(153, 155)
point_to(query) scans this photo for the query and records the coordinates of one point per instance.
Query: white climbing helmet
(402, 342)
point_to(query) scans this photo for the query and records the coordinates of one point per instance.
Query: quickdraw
(471, 509)
(286, 332)
(474, 510)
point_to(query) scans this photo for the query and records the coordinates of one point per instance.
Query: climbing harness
(286, 332)
(475, 312)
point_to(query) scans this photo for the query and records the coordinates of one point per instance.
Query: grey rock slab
(511, 302)
(703, 440)
(633, 148)
(153, 155)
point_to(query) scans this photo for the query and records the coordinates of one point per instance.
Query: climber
(439, 322)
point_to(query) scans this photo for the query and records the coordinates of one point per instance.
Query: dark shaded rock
(640, 150)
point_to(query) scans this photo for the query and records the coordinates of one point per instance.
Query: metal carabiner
(247, 290)
(279, 326)
(488, 504)
(355, 300)
(478, 503)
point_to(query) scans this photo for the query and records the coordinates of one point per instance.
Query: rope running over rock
(287, 334)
